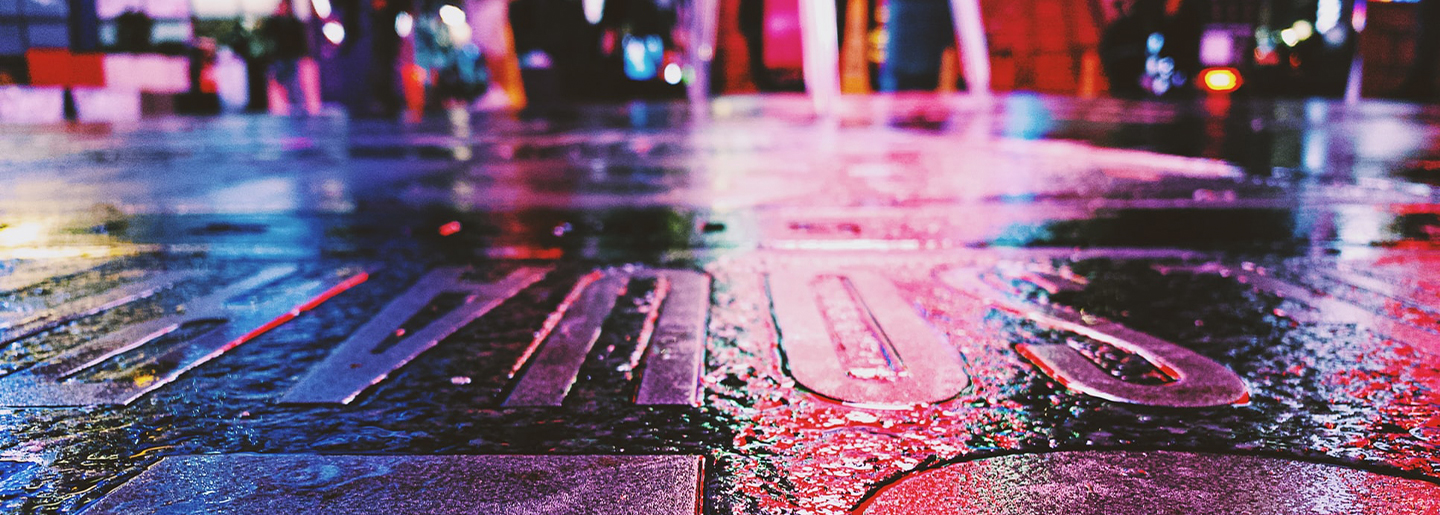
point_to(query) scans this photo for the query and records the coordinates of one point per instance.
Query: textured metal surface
(1319, 307)
(51, 383)
(908, 362)
(16, 473)
(1421, 294)
(439, 485)
(546, 376)
(676, 351)
(21, 323)
(29, 273)
(14, 477)
(1196, 380)
(1145, 483)
(1315, 307)
(359, 362)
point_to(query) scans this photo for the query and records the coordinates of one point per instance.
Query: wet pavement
(919, 304)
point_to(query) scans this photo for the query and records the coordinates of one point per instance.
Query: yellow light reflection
(68, 252)
(25, 233)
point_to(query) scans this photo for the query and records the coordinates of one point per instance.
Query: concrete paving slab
(438, 485)
(1157, 482)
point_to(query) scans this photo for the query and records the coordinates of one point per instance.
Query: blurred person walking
(1122, 47)
(288, 43)
(1419, 83)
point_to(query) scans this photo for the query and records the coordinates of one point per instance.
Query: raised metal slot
(356, 364)
(1391, 287)
(1329, 309)
(926, 367)
(549, 373)
(17, 325)
(15, 475)
(47, 385)
(673, 353)
(1198, 381)
(676, 351)
(30, 274)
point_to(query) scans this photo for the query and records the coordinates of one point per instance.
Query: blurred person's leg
(287, 75)
(919, 32)
(752, 28)
(1420, 82)
(854, 67)
(257, 85)
(490, 20)
(385, 97)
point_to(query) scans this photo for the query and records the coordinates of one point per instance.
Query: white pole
(820, 42)
(974, 50)
(1357, 64)
(704, 29)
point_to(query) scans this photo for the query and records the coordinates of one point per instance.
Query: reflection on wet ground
(1291, 243)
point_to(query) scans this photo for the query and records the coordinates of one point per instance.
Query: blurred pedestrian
(1419, 83)
(250, 47)
(386, 44)
(288, 43)
(1122, 53)
(752, 28)
(134, 31)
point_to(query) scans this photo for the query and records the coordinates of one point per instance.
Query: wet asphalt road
(1186, 223)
